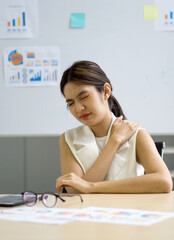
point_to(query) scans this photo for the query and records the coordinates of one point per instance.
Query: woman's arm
(157, 178)
(121, 132)
(98, 170)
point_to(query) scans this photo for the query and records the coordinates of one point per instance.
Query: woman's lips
(85, 116)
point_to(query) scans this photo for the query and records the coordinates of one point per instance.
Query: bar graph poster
(32, 66)
(165, 21)
(18, 19)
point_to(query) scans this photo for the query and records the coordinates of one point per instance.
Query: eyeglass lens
(49, 200)
(30, 198)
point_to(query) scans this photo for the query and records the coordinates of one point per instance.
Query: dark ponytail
(115, 107)
(89, 73)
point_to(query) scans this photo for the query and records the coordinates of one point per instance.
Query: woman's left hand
(72, 180)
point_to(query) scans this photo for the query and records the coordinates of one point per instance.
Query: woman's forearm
(149, 183)
(100, 168)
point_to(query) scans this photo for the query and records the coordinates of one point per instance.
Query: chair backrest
(160, 147)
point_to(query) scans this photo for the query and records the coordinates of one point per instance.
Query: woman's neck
(101, 129)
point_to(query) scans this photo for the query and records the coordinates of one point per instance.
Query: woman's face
(86, 104)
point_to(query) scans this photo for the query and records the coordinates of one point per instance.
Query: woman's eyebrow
(78, 95)
(81, 93)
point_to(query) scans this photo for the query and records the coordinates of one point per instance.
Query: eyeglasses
(48, 199)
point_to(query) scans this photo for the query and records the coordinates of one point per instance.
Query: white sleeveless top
(101, 142)
(86, 149)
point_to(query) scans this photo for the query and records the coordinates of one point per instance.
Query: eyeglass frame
(40, 198)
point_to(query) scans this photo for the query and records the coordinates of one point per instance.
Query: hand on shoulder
(123, 130)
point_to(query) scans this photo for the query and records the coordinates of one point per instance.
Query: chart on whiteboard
(31, 66)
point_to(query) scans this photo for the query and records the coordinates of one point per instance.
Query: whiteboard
(138, 60)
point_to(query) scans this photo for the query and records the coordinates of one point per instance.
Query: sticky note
(150, 12)
(77, 20)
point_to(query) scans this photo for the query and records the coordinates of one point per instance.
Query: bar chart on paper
(17, 23)
(165, 21)
(168, 18)
(15, 78)
(18, 19)
(50, 75)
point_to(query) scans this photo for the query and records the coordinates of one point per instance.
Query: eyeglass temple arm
(72, 195)
(63, 200)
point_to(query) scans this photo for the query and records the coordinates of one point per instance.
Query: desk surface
(92, 230)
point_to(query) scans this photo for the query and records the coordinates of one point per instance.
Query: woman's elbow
(166, 185)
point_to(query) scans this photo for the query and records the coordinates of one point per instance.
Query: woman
(107, 154)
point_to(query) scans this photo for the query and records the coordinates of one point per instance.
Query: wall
(137, 59)
(30, 163)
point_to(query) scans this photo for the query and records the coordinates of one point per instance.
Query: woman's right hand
(122, 130)
(72, 180)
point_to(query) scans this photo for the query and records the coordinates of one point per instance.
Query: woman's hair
(89, 73)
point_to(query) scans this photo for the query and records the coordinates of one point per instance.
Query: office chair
(160, 147)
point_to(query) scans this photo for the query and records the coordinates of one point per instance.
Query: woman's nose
(79, 107)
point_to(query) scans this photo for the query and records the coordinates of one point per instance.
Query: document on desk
(39, 215)
(123, 216)
(90, 214)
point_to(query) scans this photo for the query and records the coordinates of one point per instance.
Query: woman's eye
(84, 97)
(69, 104)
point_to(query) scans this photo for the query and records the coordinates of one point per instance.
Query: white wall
(137, 59)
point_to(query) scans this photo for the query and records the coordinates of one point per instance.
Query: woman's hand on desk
(72, 180)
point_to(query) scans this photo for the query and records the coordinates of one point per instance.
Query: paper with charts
(91, 214)
(165, 20)
(31, 66)
(19, 19)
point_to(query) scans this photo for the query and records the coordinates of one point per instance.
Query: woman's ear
(107, 91)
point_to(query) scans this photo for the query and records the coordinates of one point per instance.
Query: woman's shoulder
(142, 133)
(70, 134)
(74, 131)
(143, 138)
(78, 134)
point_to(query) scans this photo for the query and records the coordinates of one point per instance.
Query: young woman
(107, 153)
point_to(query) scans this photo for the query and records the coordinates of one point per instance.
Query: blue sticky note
(77, 20)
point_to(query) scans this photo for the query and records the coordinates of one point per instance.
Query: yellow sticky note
(150, 12)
